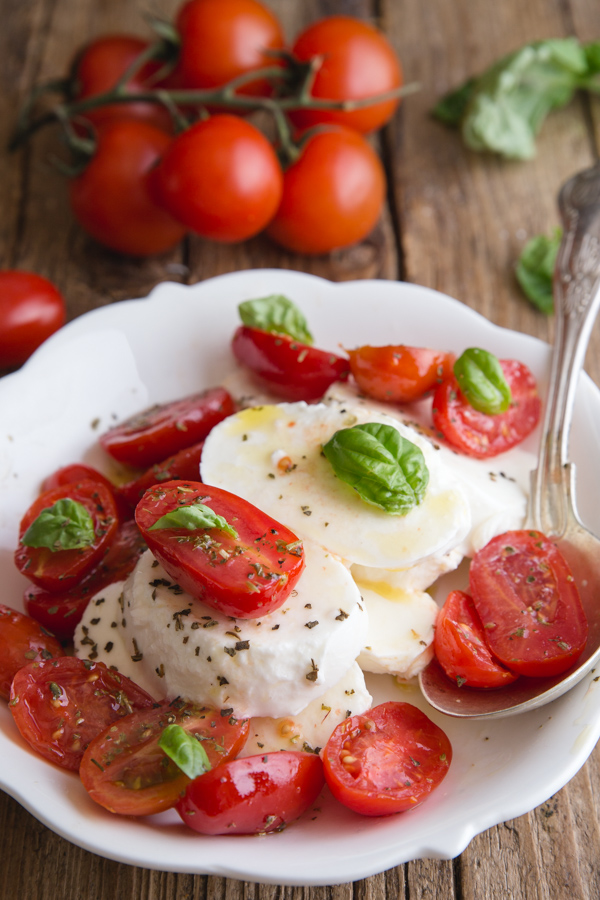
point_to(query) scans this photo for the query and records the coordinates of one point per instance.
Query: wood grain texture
(456, 221)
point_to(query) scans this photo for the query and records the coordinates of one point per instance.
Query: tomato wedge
(461, 648)
(58, 569)
(254, 795)
(480, 435)
(164, 429)
(59, 705)
(245, 576)
(184, 465)
(22, 640)
(290, 369)
(528, 601)
(61, 611)
(386, 761)
(399, 374)
(124, 769)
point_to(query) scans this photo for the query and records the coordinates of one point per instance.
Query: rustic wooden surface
(454, 221)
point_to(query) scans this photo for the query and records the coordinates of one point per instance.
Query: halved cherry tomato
(253, 795)
(61, 611)
(79, 472)
(124, 769)
(247, 576)
(156, 433)
(290, 369)
(183, 466)
(477, 434)
(22, 640)
(399, 374)
(59, 705)
(528, 602)
(57, 570)
(387, 760)
(461, 648)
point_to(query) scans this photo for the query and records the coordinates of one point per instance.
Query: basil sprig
(276, 313)
(185, 750)
(535, 269)
(384, 468)
(481, 379)
(66, 525)
(194, 516)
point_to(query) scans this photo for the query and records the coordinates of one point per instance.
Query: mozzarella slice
(271, 456)
(416, 578)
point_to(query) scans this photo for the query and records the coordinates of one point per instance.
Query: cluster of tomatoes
(171, 148)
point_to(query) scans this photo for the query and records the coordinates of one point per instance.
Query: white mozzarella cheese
(416, 578)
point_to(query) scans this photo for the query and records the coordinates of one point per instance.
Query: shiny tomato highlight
(22, 640)
(399, 374)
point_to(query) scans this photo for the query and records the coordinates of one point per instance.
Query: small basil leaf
(481, 379)
(451, 108)
(276, 313)
(195, 516)
(67, 525)
(185, 750)
(384, 468)
(535, 269)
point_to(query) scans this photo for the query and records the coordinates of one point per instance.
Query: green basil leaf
(276, 313)
(384, 468)
(194, 516)
(535, 269)
(185, 750)
(67, 525)
(481, 379)
(451, 108)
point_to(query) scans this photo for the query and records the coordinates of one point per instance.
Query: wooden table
(454, 221)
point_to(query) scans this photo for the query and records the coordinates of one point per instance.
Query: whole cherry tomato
(529, 604)
(478, 434)
(357, 62)
(332, 194)
(100, 65)
(221, 178)
(22, 640)
(112, 199)
(222, 39)
(31, 309)
(399, 374)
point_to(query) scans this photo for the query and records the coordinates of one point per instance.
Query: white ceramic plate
(117, 359)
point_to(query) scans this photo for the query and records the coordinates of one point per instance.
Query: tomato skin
(126, 772)
(332, 194)
(477, 434)
(21, 640)
(59, 705)
(290, 369)
(461, 647)
(397, 757)
(182, 466)
(31, 310)
(79, 472)
(259, 551)
(253, 795)
(222, 39)
(221, 178)
(113, 200)
(358, 62)
(60, 612)
(151, 436)
(525, 594)
(399, 374)
(100, 65)
(60, 569)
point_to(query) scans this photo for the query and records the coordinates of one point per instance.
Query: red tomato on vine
(31, 310)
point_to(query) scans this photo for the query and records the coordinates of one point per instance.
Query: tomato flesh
(125, 771)
(290, 369)
(461, 648)
(528, 602)
(254, 795)
(183, 466)
(399, 374)
(156, 433)
(477, 434)
(245, 576)
(387, 760)
(57, 570)
(79, 472)
(59, 705)
(22, 640)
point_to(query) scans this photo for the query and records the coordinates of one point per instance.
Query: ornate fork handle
(576, 300)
